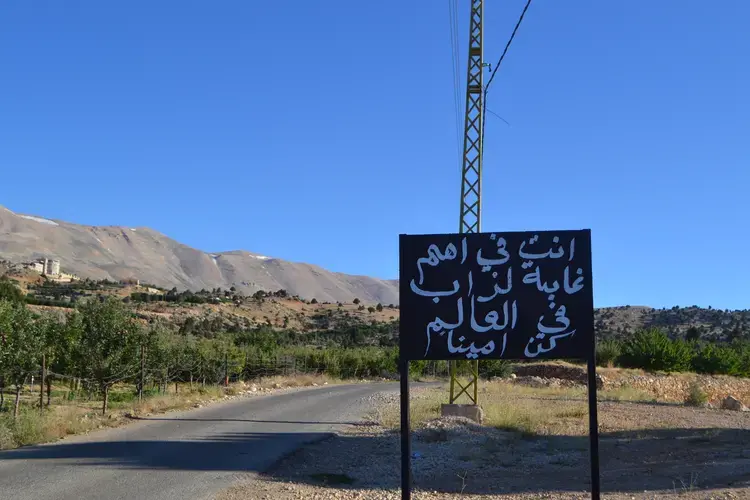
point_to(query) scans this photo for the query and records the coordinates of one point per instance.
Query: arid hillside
(230, 309)
(695, 322)
(120, 253)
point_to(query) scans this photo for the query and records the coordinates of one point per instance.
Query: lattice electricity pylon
(471, 170)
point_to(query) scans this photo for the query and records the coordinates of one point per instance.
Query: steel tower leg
(471, 170)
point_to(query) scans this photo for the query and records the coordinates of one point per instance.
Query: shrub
(7, 441)
(715, 359)
(696, 395)
(495, 368)
(692, 333)
(654, 350)
(608, 352)
(417, 368)
(743, 351)
(10, 292)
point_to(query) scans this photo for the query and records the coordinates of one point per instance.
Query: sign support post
(405, 430)
(506, 295)
(593, 426)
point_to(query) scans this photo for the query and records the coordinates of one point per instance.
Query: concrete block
(473, 412)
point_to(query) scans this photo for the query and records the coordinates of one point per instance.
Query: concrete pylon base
(473, 412)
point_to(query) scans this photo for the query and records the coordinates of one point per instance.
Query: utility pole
(471, 169)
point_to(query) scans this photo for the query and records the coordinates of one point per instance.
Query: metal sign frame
(474, 260)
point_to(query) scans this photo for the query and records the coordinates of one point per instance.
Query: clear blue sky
(319, 130)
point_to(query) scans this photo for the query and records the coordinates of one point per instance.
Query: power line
(497, 66)
(453, 25)
(507, 46)
(498, 116)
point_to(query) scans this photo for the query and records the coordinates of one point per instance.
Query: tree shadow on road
(252, 421)
(240, 452)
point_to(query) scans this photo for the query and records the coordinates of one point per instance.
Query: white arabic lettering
(492, 317)
(439, 326)
(577, 284)
(560, 318)
(535, 277)
(487, 264)
(435, 257)
(499, 290)
(436, 294)
(540, 349)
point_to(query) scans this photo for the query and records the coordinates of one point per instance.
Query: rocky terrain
(236, 310)
(684, 322)
(119, 253)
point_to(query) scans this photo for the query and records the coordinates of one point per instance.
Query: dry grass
(626, 394)
(518, 408)
(297, 381)
(64, 418)
(33, 427)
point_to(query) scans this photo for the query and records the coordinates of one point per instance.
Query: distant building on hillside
(50, 267)
(65, 278)
(34, 266)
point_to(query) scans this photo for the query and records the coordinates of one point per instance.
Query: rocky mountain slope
(118, 253)
(679, 322)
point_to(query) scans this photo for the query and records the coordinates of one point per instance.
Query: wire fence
(245, 368)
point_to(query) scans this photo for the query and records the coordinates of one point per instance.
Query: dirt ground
(648, 450)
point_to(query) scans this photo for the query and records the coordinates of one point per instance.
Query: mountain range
(121, 253)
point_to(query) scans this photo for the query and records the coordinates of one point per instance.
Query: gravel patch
(647, 451)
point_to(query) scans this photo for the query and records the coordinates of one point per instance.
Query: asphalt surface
(185, 455)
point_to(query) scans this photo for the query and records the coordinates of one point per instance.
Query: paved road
(186, 455)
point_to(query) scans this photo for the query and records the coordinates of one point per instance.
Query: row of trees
(654, 350)
(102, 343)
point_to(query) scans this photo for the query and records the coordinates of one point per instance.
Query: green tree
(188, 326)
(379, 307)
(68, 354)
(108, 344)
(4, 348)
(654, 350)
(715, 359)
(608, 352)
(743, 351)
(21, 346)
(356, 300)
(57, 345)
(170, 355)
(692, 334)
(10, 292)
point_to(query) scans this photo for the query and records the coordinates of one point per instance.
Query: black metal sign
(520, 295)
(512, 295)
